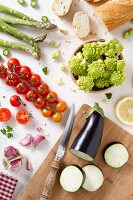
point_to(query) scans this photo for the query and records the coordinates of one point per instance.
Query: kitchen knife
(50, 180)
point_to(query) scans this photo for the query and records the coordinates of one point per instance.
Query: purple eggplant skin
(89, 138)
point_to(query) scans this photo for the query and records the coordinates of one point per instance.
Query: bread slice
(61, 7)
(81, 24)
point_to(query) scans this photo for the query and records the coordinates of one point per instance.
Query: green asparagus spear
(17, 21)
(8, 10)
(14, 45)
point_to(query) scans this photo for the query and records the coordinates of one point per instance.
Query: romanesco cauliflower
(102, 82)
(96, 69)
(111, 64)
(85, 83)
(92, 51)
(121, 65)
(117, 78)
(78, 65)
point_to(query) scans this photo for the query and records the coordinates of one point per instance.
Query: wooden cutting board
(118, 184)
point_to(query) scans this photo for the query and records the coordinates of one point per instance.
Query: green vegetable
(85, 83)
(33, 4)
(102, 82)
(44, 18)
(96, 69)
(92, 51)
(45, 70)
(8, 131)
(117, 78)
(6, 52)
(98, 109)
(17, 21)
(63, 67)
(55, 55)
(14, 45)
(21, 2)
(109, 96)
(128, 33)
(78, 65)
(54, 44)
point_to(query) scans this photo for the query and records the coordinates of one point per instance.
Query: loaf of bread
(114, 13)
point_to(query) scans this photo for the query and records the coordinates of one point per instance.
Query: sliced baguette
(81, 24)
(61, 7)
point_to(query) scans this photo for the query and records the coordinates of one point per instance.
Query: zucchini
(116, 155)
(93, 178)
(71, 178)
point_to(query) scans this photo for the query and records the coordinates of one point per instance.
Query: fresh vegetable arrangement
(36, 91)
(98, 65)
(24, 20)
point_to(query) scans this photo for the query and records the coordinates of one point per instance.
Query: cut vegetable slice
(116, 155)
(94, 178)
(71, 179)
(124, 110)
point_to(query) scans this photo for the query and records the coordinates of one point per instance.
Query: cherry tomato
(35, 80)
(3, 72)
(57, 117)
(5, 114)
(21, 88)
(43, 89)
(24, 73)
(15, 101)
(12, 80)
(31, 95)
(51, 97)
(47, 111)
(13, 65)
(40, 103)
(61, 106)
(23, 117)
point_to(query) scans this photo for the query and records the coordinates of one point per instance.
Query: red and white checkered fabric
(7, 186)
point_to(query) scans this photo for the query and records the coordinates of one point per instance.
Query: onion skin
(37, 139)
(26, 141)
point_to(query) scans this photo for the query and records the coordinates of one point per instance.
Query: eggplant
(89, 138)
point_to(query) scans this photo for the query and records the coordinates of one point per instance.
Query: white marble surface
(68, 45)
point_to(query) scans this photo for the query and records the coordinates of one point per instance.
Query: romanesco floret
(112, 48)
(121, 65)
(117, 78)
(96, 69)
(111, 64)
(102, 82)
(92, 51)
(78, 65)
(85, 83)
(106, 74)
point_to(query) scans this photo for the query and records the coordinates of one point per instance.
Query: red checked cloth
(7, 186)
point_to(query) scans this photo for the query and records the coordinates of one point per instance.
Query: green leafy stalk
(98, 109)
(14, 45)
(38, 25)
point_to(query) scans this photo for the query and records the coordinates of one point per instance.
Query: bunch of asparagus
(19, 18)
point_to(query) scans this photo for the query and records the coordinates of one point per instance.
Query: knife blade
(51, 178)
(66, 134)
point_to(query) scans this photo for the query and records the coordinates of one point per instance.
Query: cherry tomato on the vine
(23, 117)
(15, 101)
(21, 88)
(35, 80)
(5, 114)
(31, 95)
(40, 103)
(51, 97)
(3, 72)
(12, 80)
(43, 89)
(61, 106)
(57, 117)
(47, 111)
(13, 65)
(24, 73)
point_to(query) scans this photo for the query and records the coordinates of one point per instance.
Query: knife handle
(50, 180)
